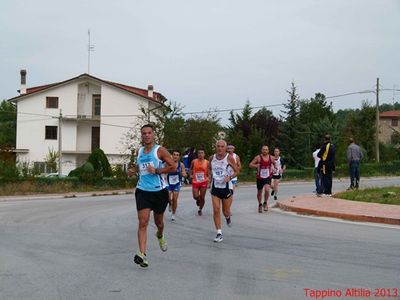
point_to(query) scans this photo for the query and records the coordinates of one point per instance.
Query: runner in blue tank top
(153, 163)
(174, 183)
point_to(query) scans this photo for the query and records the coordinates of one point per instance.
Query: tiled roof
(390, 114)
(157, 97)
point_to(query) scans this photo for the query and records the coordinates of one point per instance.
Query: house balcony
(92, 119)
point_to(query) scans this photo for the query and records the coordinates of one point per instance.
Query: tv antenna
(90, 49)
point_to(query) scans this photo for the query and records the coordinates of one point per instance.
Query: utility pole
(377, 121)
(59, 145)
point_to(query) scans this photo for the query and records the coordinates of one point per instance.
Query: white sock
(219, 231)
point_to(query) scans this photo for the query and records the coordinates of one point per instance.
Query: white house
(91, 113)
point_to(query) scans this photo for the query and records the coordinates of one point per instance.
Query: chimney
(22, 91)
(150, 89)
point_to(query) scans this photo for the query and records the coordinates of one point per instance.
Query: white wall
(31, 128)
(117, 102)
(86, 91)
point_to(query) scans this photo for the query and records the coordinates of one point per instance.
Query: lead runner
(151, 194)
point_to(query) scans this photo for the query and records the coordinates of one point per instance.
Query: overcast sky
(210, 53)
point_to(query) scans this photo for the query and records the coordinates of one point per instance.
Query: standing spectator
(354, 155)
(317, 175)
(326, 166)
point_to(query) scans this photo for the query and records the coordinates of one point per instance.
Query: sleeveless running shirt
(174, 178)
(230, 170)
(265, 169)
(219, 169)
(200, 171)
(279, 163)
(150, 182)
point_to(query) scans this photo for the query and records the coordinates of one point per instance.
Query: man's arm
(164, 155)
(183, 171)
(254, 163)
(348, 154)
(238, 162)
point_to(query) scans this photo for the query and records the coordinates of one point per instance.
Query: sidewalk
(343, 209)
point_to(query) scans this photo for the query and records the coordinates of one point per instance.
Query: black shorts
(263, 181)
(276, 176)
(156, 201)
(222, 194)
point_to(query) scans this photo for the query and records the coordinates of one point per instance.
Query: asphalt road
(81, 248)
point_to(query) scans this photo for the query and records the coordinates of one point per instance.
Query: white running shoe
(218, 238)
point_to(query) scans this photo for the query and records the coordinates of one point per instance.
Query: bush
(100, 163)
(8, 170)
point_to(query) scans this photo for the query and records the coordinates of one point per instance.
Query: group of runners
(160, 180)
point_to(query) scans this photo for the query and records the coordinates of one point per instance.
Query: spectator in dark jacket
(326, 166)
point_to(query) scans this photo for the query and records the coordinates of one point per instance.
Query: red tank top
(265, 168)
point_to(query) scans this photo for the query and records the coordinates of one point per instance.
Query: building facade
(389, 126)
(77, 116)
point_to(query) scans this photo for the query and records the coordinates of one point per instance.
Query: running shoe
(218, 238)
(265, 206)
(173, 218)
(275, 197)
(141, 260)
(260, 208)
(272, 193)
(162, 242)
(229, 222)
(199, 212)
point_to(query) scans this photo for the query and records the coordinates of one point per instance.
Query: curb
(70, 195)
(350, 217)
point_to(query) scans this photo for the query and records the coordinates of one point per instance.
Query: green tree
(313, 113)
(201, 132)
(8, 121)
(290, 137)
(360, 124)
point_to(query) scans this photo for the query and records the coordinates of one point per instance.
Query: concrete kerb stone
(339, 215)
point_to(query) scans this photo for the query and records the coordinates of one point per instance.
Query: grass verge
(386, 195)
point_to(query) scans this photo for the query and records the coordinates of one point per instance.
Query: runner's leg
(144, 217)
(226, 206)
(175, 196)
(159, 221)
(202, 197)
(217, 212)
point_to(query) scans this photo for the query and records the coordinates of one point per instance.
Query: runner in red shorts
(199, 175)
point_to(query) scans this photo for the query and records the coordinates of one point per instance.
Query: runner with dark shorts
(264, 163)
(151, 194)
(280, 167)
(221, 186)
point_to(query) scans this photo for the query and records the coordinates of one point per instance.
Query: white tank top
(219, 168)
(230, 170)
